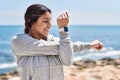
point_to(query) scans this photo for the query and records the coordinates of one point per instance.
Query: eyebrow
(46, 18)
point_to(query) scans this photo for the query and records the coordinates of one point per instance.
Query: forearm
(66, 52)
(79, 46)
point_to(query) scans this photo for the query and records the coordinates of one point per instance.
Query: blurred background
(89, 20)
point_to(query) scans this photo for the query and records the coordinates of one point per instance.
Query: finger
(100, 44)
(67, 15)
(63, 16)
(99, 47)
(60, 17)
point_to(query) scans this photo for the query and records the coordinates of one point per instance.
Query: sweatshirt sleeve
(25, 45)
(79, 46)
(66, 51)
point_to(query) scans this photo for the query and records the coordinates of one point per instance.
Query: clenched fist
(96, 45)
(62, 20)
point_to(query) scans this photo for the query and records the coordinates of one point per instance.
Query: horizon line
(68, 24)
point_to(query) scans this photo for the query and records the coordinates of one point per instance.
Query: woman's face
(43, 25)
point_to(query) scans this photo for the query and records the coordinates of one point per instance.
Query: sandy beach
(104, 69)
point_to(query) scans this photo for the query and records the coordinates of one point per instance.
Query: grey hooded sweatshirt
(44, 59)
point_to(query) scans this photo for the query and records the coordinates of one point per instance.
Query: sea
(109, 35)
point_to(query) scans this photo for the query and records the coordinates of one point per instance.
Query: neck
(36, 35)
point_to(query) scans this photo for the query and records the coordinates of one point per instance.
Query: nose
(49, 24)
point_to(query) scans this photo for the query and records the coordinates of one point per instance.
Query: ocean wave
(8, 65)
(96, 55)
(6, 56)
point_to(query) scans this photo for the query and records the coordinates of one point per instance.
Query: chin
(46, 35)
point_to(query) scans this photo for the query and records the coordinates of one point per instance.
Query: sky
(83, 12)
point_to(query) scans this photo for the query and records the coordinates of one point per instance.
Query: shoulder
(21, 37)
(18, 36)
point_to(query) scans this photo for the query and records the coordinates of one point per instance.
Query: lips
(47, 30)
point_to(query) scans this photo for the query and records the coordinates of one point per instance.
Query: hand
(62, 20)
(96, 45)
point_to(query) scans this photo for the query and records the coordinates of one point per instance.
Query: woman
(41, 56)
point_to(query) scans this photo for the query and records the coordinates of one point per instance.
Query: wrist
(63, 29)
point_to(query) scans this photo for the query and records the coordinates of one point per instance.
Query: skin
(96, 44)
(40, 29)
(63, 20)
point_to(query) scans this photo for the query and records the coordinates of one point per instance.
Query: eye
(46, 21)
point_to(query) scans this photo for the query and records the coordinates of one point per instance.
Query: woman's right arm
(24, 45)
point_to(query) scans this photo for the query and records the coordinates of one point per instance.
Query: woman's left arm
(78, 46)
